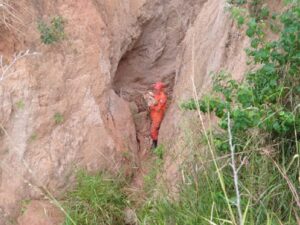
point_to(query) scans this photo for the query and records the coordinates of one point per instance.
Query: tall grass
(96, 200)
(194, 206)
(264, 192)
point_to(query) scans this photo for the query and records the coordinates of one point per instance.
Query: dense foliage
(268, 98)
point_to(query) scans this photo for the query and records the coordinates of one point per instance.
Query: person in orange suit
(157, 110)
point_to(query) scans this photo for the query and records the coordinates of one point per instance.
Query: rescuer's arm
(154, 106)
(159, 104)
(149, 98)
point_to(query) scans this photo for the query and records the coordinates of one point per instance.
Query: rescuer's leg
(154, 133)
(154, 144)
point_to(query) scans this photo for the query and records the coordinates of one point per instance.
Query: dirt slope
(79, 80)
(73, 79)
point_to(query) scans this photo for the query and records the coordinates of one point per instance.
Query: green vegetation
(20, 104)
(200, 199)
(53, 32)
(24, 205)
(256, 8)
(156, 167)
(33, 137)
(150, 179)
(96, 200)
(159, 151)
(58, 118)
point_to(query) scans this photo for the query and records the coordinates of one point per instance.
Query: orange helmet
(159, 86)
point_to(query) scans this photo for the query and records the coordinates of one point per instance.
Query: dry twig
(5, 69)
(235, 171)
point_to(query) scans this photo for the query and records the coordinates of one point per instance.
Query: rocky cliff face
(72, 80)
(94, 79)
(211, 45)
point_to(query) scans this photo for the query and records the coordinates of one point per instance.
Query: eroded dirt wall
(212, 44)
(73, 80)
(152, 58)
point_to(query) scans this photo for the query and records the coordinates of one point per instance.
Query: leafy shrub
(96, 200)
(53, 32)
(268, 99)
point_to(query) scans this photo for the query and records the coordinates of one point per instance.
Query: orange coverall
(157, 112)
